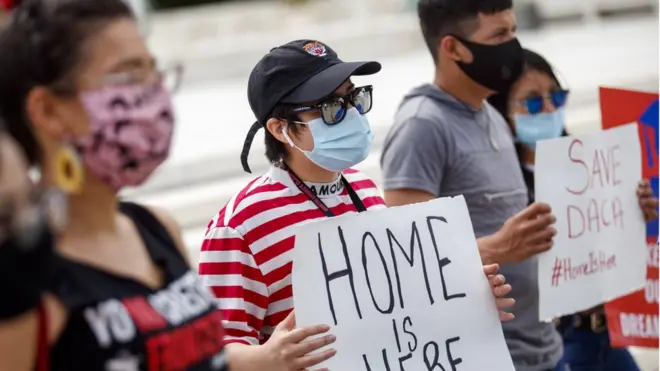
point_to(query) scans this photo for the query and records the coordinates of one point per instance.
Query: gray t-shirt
(441, 145)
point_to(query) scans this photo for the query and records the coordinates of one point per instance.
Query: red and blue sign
(649, 130)
(633, 319)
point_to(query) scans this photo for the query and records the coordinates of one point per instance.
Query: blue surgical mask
(341, 146)
(533, 128)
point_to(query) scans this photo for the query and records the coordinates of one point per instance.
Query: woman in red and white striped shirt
(302, 94)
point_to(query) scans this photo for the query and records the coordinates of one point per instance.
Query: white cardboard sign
(599, 252)
(403, 289)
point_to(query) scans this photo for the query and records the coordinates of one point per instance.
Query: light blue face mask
(341, 146)
(533, 128)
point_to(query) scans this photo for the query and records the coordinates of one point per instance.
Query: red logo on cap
(316, 49)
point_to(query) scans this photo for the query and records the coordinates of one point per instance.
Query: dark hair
(500, 101)
(439, 18)
(41, 43)
(275, 150)
(534, 62)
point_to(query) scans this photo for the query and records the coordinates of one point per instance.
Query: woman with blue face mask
(534, 107)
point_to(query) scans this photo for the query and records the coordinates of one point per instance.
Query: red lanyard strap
(43, 349)
(357, 202)
(8, 4)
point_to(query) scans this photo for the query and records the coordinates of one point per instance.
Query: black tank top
(118, 324)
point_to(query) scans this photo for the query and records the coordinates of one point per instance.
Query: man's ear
(275, 126)
(454, 49)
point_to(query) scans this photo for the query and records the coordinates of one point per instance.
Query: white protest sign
(403, 289)
(599, 252)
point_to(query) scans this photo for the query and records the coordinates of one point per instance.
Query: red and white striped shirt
(246, 254)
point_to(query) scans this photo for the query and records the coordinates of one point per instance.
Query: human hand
(647, 202)
(524, 235)
(287, 350)
(500, 290)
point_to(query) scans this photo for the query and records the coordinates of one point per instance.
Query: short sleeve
(228, 268)
(414, 156)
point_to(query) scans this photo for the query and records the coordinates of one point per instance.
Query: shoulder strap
(144, 218)
(43, 348)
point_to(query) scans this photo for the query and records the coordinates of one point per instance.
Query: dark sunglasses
(535, 104)
(333, 110)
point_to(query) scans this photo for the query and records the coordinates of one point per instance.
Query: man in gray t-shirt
(446, 141)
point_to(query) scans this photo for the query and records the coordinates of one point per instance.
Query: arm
(240, 355)
(414, 162)
(243, 357)
(228, 268)
(400, 197)
(18, 342)
(24, 275)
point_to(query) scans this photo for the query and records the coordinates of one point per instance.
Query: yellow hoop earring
(68, 170)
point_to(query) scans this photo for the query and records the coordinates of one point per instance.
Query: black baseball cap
(300, 71)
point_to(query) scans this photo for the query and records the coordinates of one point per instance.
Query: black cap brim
(327, 81)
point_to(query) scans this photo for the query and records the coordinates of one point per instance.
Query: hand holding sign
(500, 290)
(287, 349)
(647, 202)
(524, 235)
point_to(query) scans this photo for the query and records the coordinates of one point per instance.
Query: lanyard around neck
(357, 202)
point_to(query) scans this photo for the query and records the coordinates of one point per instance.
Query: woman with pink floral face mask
(82, 96)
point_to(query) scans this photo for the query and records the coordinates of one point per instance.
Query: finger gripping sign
(599, 251)
(403, 289)
(633, 319)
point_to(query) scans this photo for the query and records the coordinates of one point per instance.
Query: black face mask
(495, 67)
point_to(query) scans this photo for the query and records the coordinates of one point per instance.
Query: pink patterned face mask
(131, 129)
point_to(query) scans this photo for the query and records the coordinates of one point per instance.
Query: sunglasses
(534, 105)
(333, 110)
